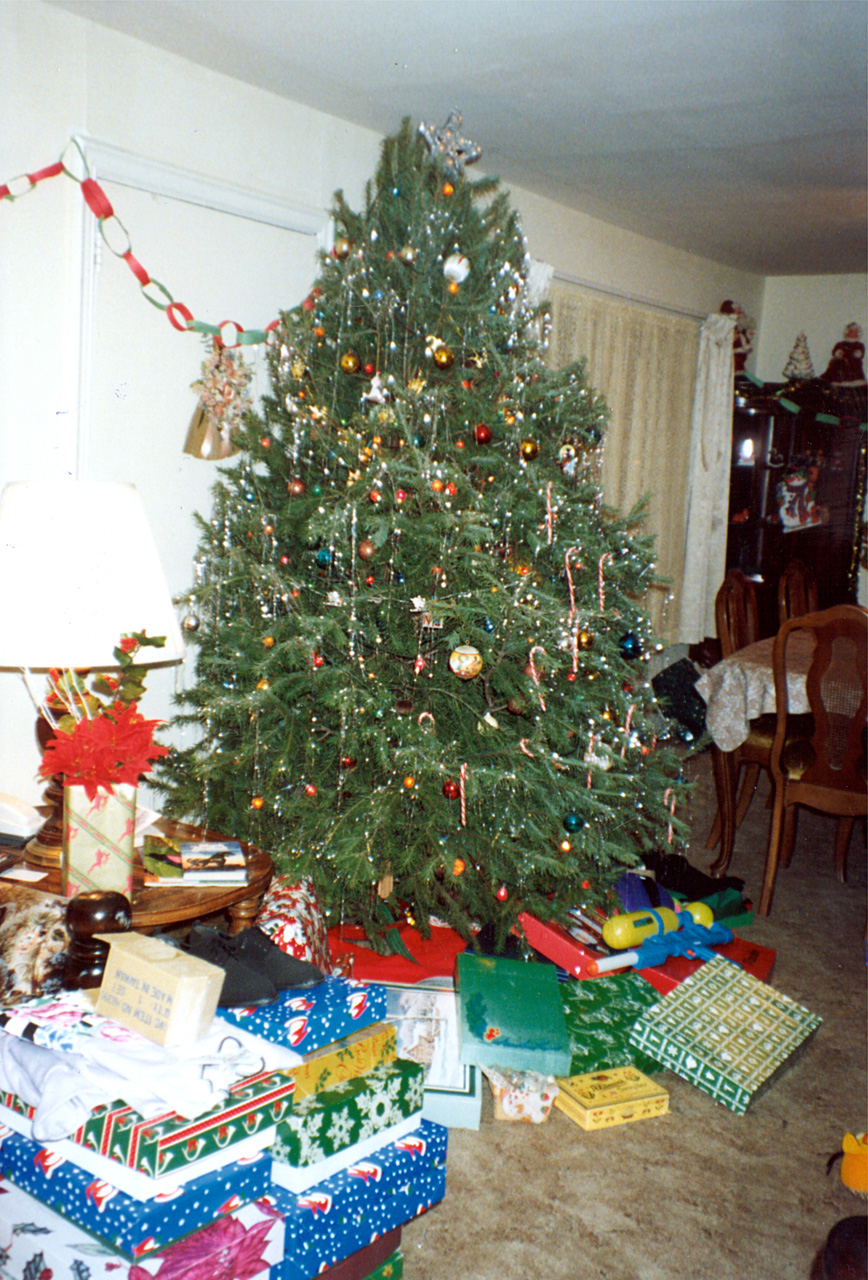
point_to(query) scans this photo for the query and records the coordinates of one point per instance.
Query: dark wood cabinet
(797, 488)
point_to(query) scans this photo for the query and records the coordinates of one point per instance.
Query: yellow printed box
(345, 1059)
(603, 1098)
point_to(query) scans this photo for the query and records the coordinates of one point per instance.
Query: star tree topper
(454, 150)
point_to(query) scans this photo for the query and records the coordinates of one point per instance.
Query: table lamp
(78, 570)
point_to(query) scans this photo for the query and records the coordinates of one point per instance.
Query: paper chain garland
(110, 225)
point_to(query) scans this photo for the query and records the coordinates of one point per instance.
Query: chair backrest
(735, 612)
(797, 591)
(834, 644)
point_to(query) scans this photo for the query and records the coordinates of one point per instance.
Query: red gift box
(754, 959)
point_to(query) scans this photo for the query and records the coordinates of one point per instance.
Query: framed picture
(426, 1022)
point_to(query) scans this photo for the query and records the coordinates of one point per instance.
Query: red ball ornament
(348, 762)
(502, 893)
(318, 660)
(265, 441)
(450, 789)
(482, 433)
(400, 495)
(369, 581)
(367, 550)
(369, 369)
(375, 496)
(310, 789)
(451, 489)
(284, 560)
(295, 488)
(571, 675)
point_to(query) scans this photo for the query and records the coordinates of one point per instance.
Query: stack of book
(200, 863)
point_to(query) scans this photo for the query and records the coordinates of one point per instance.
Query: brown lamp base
(43, 855)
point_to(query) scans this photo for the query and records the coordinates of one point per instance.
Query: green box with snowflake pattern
(353, 1110)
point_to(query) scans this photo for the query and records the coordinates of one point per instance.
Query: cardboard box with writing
(157, 990)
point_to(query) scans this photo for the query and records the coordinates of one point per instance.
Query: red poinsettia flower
(115, 746)
(224, 1250)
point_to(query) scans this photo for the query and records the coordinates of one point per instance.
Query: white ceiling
(735, 129)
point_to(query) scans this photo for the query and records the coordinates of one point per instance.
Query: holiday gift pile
(297, 1144)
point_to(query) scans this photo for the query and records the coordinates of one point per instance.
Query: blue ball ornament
(324, 557)
(573, 822)
(630, 645)
(487, 624)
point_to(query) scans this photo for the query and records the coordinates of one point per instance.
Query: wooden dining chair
(826, 771)
(797, 591)
(737, 619)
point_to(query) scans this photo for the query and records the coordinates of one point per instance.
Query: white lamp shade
(78, 570)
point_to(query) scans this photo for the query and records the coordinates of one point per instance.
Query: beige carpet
(700, 1192)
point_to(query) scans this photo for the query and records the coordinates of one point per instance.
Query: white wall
(819, 306)
(93, 380)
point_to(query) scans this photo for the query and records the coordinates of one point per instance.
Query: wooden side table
(155, 908)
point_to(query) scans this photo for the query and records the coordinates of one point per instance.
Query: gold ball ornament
(407, 255)
(350, 362)
(529, 450)
(367, 550)
(444, 357)
(465, 662)
(586, 639)
(342, 248)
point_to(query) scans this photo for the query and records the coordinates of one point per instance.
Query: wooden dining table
(737, 690)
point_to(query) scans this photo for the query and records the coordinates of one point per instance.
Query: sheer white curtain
(708, 486)
(643, 361)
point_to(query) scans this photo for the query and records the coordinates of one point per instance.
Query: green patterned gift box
(169, 1143)
(726, 1032)
(600, 1013)
(349, 1112)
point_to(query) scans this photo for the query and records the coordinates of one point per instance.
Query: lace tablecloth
(742, 687)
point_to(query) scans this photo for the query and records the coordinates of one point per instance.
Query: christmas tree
(420, 672)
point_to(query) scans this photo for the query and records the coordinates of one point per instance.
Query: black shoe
(243, 985)
(254, 948)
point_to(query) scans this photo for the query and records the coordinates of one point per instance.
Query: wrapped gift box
(373, 1262)
(344, 1059)
(340, 1215)
(40, 1243)
(307, 1020)
(521, 1096)
(599, 1014)
(352, 1111)
(140, 1186)
(511, 1015)
(291, 917)
(600, 1099)
(98, 839)
(167, 1143)
(726, 1032)
(123, 1222)
(301, 1178)
(391, 1269)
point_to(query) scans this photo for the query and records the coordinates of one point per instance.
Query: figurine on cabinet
(845, 368)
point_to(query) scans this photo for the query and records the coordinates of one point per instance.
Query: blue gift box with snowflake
(130, 1225)
(307, 1020)
(338, 1216)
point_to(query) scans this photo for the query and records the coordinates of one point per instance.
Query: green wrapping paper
(325, 1123)
(599, 1015)
(726, 1032)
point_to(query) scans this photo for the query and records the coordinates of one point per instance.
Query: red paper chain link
(178, 315)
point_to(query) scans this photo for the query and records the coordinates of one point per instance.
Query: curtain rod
(628, 297)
